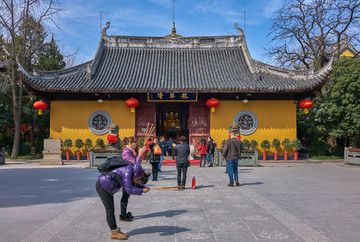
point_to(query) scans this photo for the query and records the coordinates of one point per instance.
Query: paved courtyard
(276, 202)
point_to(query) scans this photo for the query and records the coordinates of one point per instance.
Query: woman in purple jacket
(131, 178)
(129, 154)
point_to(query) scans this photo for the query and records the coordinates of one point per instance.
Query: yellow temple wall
(276, 119)
(69, 119)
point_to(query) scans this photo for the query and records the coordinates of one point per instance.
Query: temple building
(173, 77)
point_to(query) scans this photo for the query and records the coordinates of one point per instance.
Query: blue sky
(80, 21)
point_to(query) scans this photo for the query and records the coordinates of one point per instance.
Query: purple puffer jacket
(128, 155)
(128, 173)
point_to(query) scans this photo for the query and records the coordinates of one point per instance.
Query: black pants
(155, 169)
(171, 152)
(203, 157)
(108, 202)
(181, 169)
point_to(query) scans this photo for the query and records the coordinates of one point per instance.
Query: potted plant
(78, 144)
(265, 145)
(223, 143)
(67, 145)
(100, 143)
(253, 144)
(296, 144)
(246, 144)
(286, 143)
(276, 144)
(88, 146)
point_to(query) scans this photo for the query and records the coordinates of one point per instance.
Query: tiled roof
(197, 64)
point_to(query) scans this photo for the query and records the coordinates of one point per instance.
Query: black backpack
(110, 164)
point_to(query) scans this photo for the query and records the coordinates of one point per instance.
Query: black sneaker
(126, 218)
(130, 214)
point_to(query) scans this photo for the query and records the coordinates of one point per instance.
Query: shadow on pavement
(251, 183)
(26, 187)
(169, 213)
(163, 230)
(202, 186)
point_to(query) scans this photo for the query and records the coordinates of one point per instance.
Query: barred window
(99, 122)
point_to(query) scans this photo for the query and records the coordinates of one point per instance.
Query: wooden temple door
(145, 113)
(199, 123)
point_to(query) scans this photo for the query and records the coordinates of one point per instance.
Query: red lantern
(132, 103)
(306, 104)
(212, 103)
(40, 105)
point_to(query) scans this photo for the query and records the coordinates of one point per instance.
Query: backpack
(110, 164)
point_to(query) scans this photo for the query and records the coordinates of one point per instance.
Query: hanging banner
(172, 97)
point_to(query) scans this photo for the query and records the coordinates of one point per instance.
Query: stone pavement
(276, 202)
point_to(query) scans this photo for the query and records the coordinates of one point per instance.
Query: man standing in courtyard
(232, 153)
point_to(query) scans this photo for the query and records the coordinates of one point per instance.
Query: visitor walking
(182, 152)
(170, 148)
(210, 151)
(155, 152)
(147, 154)
(202, 147)
(163, 150)
(232, 153)
(129, 154)
(132, 180)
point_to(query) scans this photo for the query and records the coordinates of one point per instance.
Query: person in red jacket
(203, 151)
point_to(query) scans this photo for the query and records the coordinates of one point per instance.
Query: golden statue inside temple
(172, 122)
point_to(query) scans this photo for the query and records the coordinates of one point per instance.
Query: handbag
(157, 150)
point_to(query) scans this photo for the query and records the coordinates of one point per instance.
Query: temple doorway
(172, 120)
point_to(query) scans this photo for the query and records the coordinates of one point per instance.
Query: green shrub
(253, 144)
(223, 143)
(25, 148)
(265, 145)
(296, 144)
(100, 143)
(318, 149)
(286, 143)
(88, 144)
(276, 144)
(67, 144)
(79, 144)
(246, 144)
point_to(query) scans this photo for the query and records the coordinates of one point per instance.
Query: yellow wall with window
(69, 119)
(276, 119)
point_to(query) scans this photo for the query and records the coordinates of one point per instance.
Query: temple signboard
(172, 97)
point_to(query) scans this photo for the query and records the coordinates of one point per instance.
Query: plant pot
(78, 155)
(296, 155)
(286, 155)
(88, 155)
(264, 155)
(68, 154)
(275, 155)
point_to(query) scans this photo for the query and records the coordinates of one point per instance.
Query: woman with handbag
(154, 159)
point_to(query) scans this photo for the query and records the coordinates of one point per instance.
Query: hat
(234, 128)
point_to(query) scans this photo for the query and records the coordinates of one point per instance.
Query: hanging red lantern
(306, 104)
(212, 103)
(40, 105)
(132, 103)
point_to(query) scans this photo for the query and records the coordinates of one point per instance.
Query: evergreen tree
(339, 113)
(50, 58)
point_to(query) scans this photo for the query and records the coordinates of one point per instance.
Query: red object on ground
(264, 155)
(212, 103)
(165, 162)
(296, 155)
(68, 155)
(275, 155)
(193, 185)
(78, 155)
(286, 155)
(132, 103)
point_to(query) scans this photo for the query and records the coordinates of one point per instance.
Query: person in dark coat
(210, 151)
(154, 158)
(170, 148)
(132, 179)
(162, 144)
(182, 152)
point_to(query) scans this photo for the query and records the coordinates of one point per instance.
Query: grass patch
(324, 157)
(22, 157)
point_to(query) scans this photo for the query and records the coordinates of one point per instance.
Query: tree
(50, 58)
(304, 30)
(19, 23)
(339, 113)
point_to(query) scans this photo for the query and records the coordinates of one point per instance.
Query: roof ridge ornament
(241, 32)
(103, 32)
